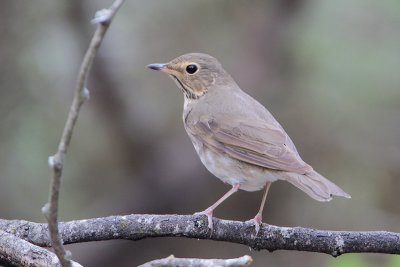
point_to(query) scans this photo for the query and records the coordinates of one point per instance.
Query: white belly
(232, 171)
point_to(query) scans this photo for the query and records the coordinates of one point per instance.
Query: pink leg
(258, 218)
(209, 210)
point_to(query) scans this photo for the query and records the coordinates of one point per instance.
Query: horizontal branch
(172, 261)
(17, 252)
(140, 226)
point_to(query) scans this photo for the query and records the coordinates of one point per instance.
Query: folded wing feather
(252, 141)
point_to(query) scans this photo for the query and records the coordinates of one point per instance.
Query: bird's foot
(209, 214)
(257, 222)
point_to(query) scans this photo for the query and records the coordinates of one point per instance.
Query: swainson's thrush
(236, 138)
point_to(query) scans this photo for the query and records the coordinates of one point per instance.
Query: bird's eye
(192, 68)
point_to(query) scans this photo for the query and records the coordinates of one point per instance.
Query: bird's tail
(316, 186)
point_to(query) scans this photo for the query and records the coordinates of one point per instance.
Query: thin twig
(18, 252)
(56, 162)
(171, 261)
(270, 237)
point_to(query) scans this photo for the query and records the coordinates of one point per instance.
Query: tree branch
(136, 227)
(56, 162)
(171, 261)
(17, 252)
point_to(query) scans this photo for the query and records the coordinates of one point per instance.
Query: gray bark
(17, 252)
(270, 237)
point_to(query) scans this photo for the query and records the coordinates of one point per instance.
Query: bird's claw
(257, 222)
(209, 214)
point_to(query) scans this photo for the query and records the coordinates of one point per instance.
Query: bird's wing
(253, 141)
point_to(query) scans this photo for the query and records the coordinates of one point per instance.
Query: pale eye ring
(191, 68)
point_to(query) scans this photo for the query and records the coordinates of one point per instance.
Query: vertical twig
(103, 18)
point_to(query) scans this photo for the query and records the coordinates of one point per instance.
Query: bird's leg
(209, 211)
(258, 218)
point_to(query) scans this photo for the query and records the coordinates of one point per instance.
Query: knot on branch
(56, 162)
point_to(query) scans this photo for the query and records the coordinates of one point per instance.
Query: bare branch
(56, 162)
(18, 252)
(271, 238)
(171, 261)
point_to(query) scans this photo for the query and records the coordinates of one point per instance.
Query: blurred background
(327, 70)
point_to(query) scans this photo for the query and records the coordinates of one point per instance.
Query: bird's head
(194, 73)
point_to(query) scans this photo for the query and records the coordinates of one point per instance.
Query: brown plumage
(236, 138)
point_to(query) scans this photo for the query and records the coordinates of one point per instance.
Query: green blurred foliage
(357, 260)
(352, 260)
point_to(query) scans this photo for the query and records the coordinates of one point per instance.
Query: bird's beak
(157, 66)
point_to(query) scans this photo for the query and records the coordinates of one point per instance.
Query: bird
(237, 139)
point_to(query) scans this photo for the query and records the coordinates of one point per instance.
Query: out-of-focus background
(329, 71)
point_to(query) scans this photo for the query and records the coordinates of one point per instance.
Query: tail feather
(316, 186)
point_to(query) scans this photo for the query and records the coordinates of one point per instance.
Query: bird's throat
(187, 93)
